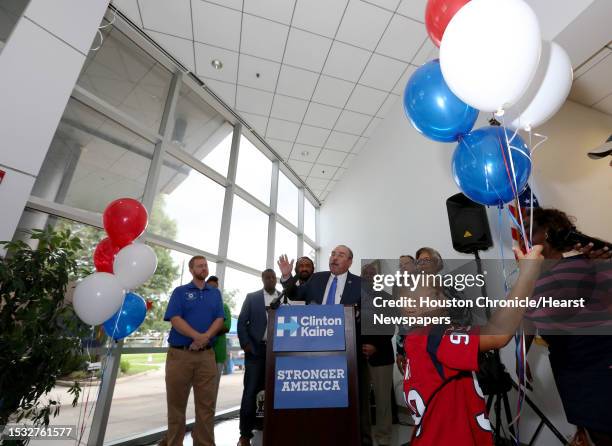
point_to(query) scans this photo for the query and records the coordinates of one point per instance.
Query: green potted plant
(39, 332)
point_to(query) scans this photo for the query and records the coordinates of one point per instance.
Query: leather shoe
(244, 441)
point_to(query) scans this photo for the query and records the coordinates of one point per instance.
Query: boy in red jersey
(440, 384)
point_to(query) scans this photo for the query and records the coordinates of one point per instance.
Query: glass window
(287, 204)
(201, 131)
(248, 235)
(188, 208)
(10, 12)
(239, 284)
(124, 75)
(254, 171)
(309, 220)
(286, 243)
(124, 420)
(92, 161)
(309, 251)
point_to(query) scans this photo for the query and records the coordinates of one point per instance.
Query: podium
(312, 385)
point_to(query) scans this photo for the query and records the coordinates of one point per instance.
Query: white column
(39, 66)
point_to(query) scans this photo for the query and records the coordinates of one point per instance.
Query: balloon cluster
(121, 265)
(492, 59)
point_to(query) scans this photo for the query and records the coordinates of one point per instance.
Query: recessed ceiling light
(217, 64)
(305, 153)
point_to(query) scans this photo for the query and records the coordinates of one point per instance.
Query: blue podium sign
(306, 382)
(309, 328)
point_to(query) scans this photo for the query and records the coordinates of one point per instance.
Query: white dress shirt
(268, 298)
(339, 287)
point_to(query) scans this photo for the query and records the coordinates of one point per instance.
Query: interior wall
(392, 201)
(39, 66)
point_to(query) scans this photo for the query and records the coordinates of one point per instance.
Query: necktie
(331, 295)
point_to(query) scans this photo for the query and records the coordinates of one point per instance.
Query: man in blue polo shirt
(196, 313)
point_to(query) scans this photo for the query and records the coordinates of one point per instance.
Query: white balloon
(134, 265)
(490, 52)
(97, 298)
(547, 92)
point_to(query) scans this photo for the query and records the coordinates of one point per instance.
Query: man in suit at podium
(252, 334)
(336, 286)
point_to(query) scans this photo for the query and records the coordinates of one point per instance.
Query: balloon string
(513, 179)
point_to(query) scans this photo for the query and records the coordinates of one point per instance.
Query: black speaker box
(468, 224)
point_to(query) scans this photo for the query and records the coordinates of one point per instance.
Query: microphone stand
(276, 302)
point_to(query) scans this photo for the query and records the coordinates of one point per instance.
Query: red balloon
(437, 16)
(104, 255)
(125, 219)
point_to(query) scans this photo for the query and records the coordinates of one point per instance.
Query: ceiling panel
(283, 148)
(414, 9)
(205, 54)
(226, 91)
(302, 168)
(263, 38)
(277, 10)
(306, 50)
(313, 136)
(253, 101)
(346, 62)
(332, 91)
(331, 157)
(366, 100)
(322, 116)
(167, 17)
(288, 108)
(402, 39)
(303, 152)
(285, 130)
(323, 171)
(319, 16)
(382, 72)
(594, 84)
(181, 49)
(363, 24)
(351, 122)
(296, 82)
(258, 73)
(216, 25)
(341, 141)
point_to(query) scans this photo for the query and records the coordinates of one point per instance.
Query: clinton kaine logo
(291, 326)
(309, 328)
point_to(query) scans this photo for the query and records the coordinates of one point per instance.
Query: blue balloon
(433, 108)
(129, 317)
(481, 165)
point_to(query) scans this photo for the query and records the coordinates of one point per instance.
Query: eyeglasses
(425, 260)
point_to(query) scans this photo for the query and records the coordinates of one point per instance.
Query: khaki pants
(382, 380)
(185, 369)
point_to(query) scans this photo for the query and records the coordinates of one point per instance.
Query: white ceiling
(316, 77)
(313, 77)
(593, 82)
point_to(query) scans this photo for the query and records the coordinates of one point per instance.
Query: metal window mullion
(111, 369)
(228, 203)
(251, 199)
(112, 112)
(166, 127)
(196, 164)
(272, 216)
(317, 237)
(300, 229)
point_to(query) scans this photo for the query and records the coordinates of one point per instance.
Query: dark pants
(254, 382)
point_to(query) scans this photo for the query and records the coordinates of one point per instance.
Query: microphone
(276, 302)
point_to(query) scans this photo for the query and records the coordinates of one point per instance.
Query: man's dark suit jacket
(252, 321)
(312, 292)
